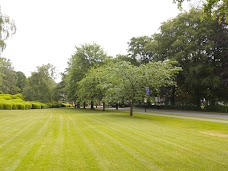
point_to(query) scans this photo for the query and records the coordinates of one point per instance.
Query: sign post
(147, 94)
(145, 101)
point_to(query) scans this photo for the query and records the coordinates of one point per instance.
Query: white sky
(49, 30)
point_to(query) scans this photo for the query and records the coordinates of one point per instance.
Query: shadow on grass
(116, 114)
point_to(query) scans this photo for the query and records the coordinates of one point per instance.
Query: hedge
(20, 105)
(216, 108)
(7, 106)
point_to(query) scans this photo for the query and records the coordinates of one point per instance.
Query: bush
(14, 106)
(36, 105)
(171, 107)
(17, 96)
(28, 105)
(1, 105)
(21, 106)
(43, 106)
(67, 105)
(217, 108)
(6, 96)
(55, 105)
(7, 106)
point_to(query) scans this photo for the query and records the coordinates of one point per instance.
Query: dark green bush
(170, 107)
(55, 105)
(217, 108)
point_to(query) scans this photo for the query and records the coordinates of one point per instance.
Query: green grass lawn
(72, 139)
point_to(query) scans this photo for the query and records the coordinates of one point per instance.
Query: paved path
(193, 115)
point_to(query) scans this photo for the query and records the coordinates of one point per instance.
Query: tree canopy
(214, 8)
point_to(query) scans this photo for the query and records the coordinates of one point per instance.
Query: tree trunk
(84, 105)
(103, 106)
(92, 105)
(117, 106)
(131, 107)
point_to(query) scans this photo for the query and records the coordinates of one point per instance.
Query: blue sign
(147, 90)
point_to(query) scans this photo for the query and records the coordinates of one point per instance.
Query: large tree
(8, 77)
(138, 50)
(130, 81)
(41, 84)
(201, 48)
(85, 57)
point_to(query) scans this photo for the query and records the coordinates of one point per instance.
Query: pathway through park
(193, 115)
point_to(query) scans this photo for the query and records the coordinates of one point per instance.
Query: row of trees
(198, 45)
(40, 86)
(201, 49)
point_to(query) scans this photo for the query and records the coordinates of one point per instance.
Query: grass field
(71, 139)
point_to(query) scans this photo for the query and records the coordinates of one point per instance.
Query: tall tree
(41, 84)
(195, 44)
(8, 77)
(7, 28)
(131, 81)
(85, 57)
(138, 49)
(21, 80)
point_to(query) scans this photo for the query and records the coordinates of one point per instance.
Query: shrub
(43, 106)
(6, 96)
(28, 105)
(36, 105)
(7, 106)
(1, 105)
(67, 105)
(14, 106)
(55, 105)
(21, 106)
(217, 108)
(17, 96)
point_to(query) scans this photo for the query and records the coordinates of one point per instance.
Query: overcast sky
(49, 30)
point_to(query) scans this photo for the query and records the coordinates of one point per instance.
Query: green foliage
(14, 102)
(28, 105)
(174, 107)
(58, 105)
(36, 105)
(200, 51)
(67, 105)
(41, 84)
(138, 50)
(55, 104)
(21, 106)
(212, 8)
(8, 77)
(216, 108)
(7, 28)
(7, 106)
(85, 57)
